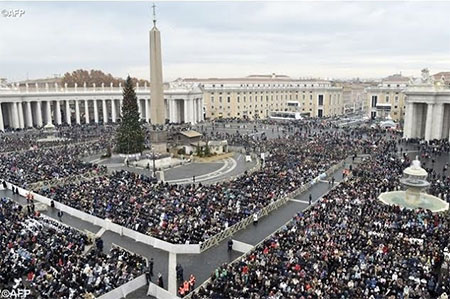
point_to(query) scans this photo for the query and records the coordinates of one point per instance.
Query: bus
(284, 115)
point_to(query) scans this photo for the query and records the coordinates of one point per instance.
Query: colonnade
(36, 107)
(38, 113)
(186, 110)
(428, 120)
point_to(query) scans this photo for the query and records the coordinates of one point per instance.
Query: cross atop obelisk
(158, 111)
(154, 14)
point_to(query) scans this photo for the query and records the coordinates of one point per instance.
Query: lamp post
(154, 163)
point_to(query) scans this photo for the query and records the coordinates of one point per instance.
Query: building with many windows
(387, 100)
(354, 93)
(257, 95)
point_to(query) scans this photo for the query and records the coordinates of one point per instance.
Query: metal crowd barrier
(304, 188)
(217, 238)
(67, 180)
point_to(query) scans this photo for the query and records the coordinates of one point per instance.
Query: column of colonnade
(58, 119)
(171, 104)
(113, 111)
(86, 111)
(186, 111)
(429, 122)
(77, 112)
(194, 111)
(95, 111)
(105, 111)
(48, 113)
(29, 115)
(147, 110)
(2, 124)
(14, 116)
(438, 121)
(39, 114)
(68, 113)
(197, 117)
(426, 120)
(199, 110)
(20, 112)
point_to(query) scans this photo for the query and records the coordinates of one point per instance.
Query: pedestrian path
(228, 166)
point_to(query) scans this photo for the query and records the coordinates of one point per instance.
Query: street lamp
(153, 161)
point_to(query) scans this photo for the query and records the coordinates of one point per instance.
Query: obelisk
(158, 112)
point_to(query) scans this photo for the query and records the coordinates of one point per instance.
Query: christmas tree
(130, 134)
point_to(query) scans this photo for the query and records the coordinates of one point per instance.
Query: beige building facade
(387, 100)
(254, 97)
(355, 96)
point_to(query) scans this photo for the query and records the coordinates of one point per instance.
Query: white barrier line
(209, 176)
(100, 232)
(203, 176)
(116, 165)
(324, 181)
(241, 246)
(298, 200)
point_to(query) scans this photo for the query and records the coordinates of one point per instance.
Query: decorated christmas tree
(130, 134)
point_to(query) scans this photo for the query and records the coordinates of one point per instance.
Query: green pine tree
(130, 135)
(207, 150)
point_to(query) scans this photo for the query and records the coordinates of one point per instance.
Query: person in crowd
(179, 270)
(48, 258)
(60, 215)
(160, 280)
(150, 267)
(230, 244)
(99, 244)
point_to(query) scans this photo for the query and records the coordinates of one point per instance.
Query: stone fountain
(415, 181)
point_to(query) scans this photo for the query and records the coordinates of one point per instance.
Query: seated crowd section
(24, 160)
(347, 245)
(49, 258)
(27, 167)
(193, 213)
(61, 135)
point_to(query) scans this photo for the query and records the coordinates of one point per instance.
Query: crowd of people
(348, 245)
(60, 135)
(250, 135)
(27, 167)
(190, 214)
(429, 153)
(50, 258)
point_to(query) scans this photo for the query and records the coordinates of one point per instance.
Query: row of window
(262, 92)
(320, 98)
(274, 85)
(238, 113)
(374, 100)
(262, 105)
